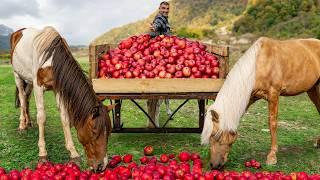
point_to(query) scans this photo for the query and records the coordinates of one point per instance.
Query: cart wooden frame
(132, 89)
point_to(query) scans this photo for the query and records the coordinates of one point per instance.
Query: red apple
(2, 171)
(157, 53)
(148, 150)
(5, 177)
(162, 74)
(172, 69)
(137, 56)
(142, 62)
(116, 74)
(184, 156)
(186, 71)
(197, 74)
(164, 158)
(179, 173)
(257, 165)
(247, 164)
(178, 74)
(117, 158)
(115, 60)
(172, 156)
(118, 66)
(128, 54)
(179, 67)
(146, 176)
(194, 156)
(168, 75)
(188, 176)
(127, 158)
(208, 71)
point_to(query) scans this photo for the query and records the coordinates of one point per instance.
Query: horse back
(290, 66)
(14, 39)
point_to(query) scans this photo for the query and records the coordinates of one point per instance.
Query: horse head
(220, 143)
(93, 135)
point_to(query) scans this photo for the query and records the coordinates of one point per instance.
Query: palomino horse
(268, 69)
(41, 60)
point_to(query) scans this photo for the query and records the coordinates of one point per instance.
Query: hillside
(197, 19)
(213, 19)
(281, 19)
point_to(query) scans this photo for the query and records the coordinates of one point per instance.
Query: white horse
(41, 61)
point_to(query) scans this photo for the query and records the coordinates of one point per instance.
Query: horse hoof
(271, 161)
(43, 159)
(76, 160)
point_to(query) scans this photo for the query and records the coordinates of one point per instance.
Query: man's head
(164, 8)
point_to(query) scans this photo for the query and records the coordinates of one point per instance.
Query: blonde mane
(234, 95)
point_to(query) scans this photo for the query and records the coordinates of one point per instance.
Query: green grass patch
(298, 127)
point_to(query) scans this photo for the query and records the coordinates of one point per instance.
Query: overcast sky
(79, 21)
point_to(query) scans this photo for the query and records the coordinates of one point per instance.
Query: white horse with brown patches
(41, 61)
(269, 69)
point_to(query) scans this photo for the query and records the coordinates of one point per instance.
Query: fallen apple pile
(187, 166)
(160, 57)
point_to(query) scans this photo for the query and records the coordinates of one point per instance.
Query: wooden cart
(132, 89)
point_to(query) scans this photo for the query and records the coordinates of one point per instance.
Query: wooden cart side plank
(223, 67)
(218, 50)
(95, 51)
(156, 85)
(92, 62)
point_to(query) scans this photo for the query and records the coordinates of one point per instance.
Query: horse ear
(215, 116)
(110, 107)
(95, 111)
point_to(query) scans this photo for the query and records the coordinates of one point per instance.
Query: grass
(298, 127)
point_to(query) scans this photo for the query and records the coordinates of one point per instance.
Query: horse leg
(273, 102)
(153, 110)
(28, 93)
(314, 95)
(41, 120)
(24, 117)
(252, 100)
(74, 155)
(169, 112)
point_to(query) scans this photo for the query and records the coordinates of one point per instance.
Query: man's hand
(152, 28)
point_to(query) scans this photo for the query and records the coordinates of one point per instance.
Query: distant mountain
(5, 32)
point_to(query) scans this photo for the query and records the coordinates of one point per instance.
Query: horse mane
(75, 90)
(234, 96)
